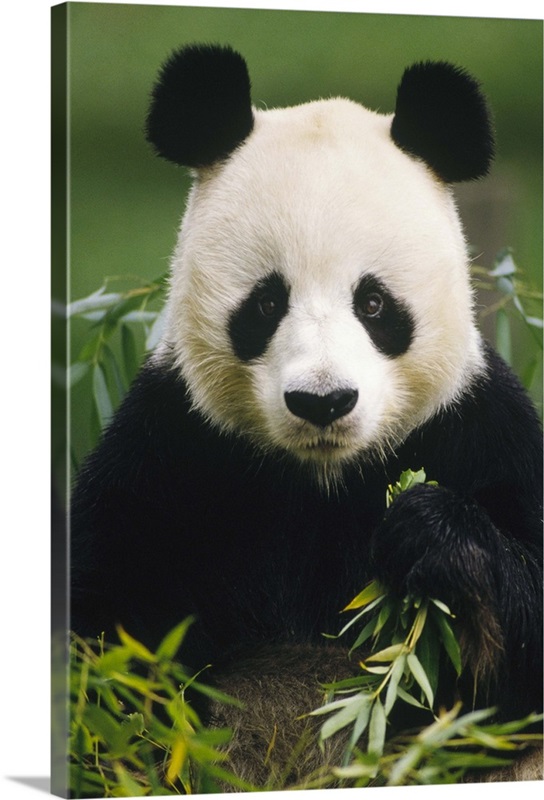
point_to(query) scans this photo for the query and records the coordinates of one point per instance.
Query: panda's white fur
(320, 193)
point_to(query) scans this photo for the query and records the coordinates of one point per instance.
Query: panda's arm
(475, 541)
(131, 516)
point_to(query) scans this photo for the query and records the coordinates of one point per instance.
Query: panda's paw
(433, 543)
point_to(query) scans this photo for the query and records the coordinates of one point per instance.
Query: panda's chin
(325, 453)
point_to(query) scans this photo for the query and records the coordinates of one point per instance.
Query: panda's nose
(320, 409)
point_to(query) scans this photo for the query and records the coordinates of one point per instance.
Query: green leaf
(216, 694)
(505, 285)
(136, 648)
(81, 741)
(130, 786)
(360, 726)
(365, 634)
(504, 265)
(130, 353)
(90, 349)
(392, 688)
(407, 479)
(157, 330)
(410, 699)
(386, 610)
(120, 384)
(102, 399)
(376, 729)
(123, 308)
(428, 652)
(442, 606)
(503, 337)
(336, 704)
(100, 723)
(365, 610)
(530, 372)
(369, 593)
(387, 654)
(344, 717)
(447, 636)
(94, 302)
(507, 728)
(420, 675)
(76, 372)
(171, 643)
(536, 322)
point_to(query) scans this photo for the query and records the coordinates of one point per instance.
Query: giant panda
(320, 339)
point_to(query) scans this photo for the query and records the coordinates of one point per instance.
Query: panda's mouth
(328, 446)
(323, 445)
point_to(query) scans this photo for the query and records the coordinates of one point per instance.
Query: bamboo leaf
(392, 688)
(130, 786)
(442, 606)
(408, 698)
(157, 329)
(374, 670)
(177, 758)
(361, 724)
(364, 611)
(120, 384)
(96, 301)
(136, 648)
(344, 717)
(100, 723)
(365, 634)
(171, 643)
(451, 645)
(419, 674)
(76, 372)
(504, 265)
(503, 336)
(388, 653)
(428, 652)
(130, 353)
(376, 729)
(371, 592)
(101, 395)
(419, 624)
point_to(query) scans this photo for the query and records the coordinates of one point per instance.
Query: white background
(24, 382)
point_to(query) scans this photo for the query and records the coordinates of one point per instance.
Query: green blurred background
(125, 204)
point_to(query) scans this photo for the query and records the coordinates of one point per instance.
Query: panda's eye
(386, 318)
(371, 305)
(268, 306)
(252, 325)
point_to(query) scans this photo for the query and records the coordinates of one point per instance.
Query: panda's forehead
(320, 191)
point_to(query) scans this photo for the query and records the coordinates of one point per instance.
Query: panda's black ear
(441, 116)
(201, 106)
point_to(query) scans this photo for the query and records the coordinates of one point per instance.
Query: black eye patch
(255, 321)
(386, 319)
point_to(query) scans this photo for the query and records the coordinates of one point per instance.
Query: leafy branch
(113, 316)
(406, 638)
(134, 731)
(513, 299)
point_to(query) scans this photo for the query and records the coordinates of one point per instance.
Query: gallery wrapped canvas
(297, 472)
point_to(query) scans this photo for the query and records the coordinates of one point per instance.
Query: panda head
(320, 302)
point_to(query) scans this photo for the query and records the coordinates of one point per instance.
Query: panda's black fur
(172, 516)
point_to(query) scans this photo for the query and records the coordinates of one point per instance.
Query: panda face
(320, 302)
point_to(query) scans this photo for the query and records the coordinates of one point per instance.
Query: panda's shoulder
(490, 434)
(497, 403)
(154, 433)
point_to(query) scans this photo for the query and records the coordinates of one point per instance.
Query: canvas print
(297, 451)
